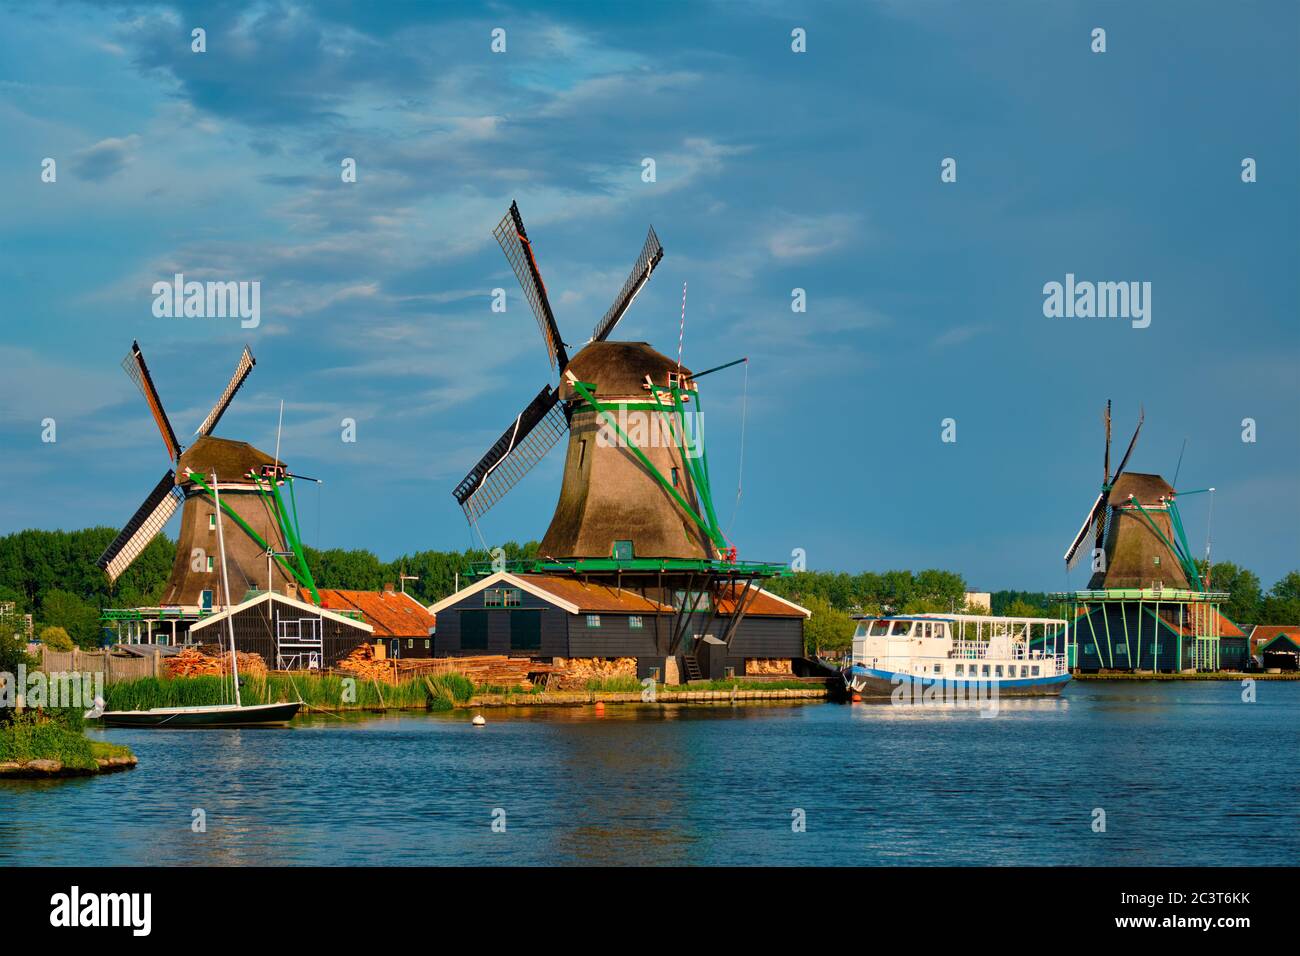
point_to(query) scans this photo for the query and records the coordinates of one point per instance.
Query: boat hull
(190, 718)
(871, 682)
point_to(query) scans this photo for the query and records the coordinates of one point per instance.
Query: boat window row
(998, 670)
(902, 629)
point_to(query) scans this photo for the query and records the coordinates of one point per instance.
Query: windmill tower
(1146, 605)
(634, 483)
(248, 481)
(635, 507)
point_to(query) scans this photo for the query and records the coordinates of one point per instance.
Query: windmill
(1135, 530)
(625, 493)
(248, 481)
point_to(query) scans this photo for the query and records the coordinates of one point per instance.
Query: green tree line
(53, 576)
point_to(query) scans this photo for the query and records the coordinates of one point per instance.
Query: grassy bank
(36, 736)
(317, 691)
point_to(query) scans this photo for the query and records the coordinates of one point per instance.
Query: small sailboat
(211, 715)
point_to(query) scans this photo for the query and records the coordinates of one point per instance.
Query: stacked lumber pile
(490, 669)
(495, 670)
(362, 663)
(769, 665)
(572, 673)
(197, 662)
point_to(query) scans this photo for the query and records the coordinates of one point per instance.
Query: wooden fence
(114, 667)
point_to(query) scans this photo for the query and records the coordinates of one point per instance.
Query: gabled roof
(279, 599)
(570, 594)
(762, 604)
(1262, 634)
(390, 613)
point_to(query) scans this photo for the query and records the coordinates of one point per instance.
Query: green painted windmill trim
(581, 389)
(290, 534)
(696, 464)
(244, 525)
(701, 462)
(1177, 521)
(1191, 573)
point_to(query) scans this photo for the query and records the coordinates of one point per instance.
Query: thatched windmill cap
(1147, 489)
(231, 460)
(618, 369)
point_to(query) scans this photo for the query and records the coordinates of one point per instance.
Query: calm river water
(1185, 773)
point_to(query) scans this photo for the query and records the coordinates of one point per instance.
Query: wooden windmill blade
(1133, 441)
(651, 253)
(142, 527)
(534, 432)
(1095, 519)
(513, 239)
(135, 367)
(242, 370)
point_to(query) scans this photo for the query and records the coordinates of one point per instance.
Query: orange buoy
(857, 698)
(600, 706)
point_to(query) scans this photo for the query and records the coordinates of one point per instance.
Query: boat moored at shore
(958, 655)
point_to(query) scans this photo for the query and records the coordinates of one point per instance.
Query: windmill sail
(526, 442)
(242, 370)
(1133, 441)
(650, 255)
(512, 238)
(135, 367)
(143, 527)
(1094, 520)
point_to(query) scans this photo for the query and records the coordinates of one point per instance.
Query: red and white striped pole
(681, 334)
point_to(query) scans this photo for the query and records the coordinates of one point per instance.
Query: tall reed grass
(320, 691)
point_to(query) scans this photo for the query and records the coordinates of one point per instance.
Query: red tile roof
(762, 604)
(595, 597)
(390, 613)
(1261, 634)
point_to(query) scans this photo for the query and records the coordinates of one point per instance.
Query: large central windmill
(1147, 605)
(248, 482)
(622, 496)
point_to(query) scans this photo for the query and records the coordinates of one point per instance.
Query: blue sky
(775, 170)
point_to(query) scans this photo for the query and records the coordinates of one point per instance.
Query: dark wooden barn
(555, 616)
(289, 634)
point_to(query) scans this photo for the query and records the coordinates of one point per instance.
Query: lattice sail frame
(142, 527)
(242, 369)
(650, 255)
(535, 432)
(513, 239)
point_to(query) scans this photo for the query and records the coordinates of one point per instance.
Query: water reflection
(678, 784)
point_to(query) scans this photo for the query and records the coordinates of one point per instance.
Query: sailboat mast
(225, 586)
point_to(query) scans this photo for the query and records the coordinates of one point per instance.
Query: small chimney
(389, 587)
(291, 590)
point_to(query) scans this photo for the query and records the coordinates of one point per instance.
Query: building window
(205, 600)
(426, 645)
(593, 620)
(209, 562)
(410, 642)
(582, 451)
(622, 550)
(676, 483)
(212, 522)
(512, 597)
(1156, 560)
(635, 621)
(492, 597)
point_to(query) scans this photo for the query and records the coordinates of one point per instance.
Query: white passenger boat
(963, 655)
